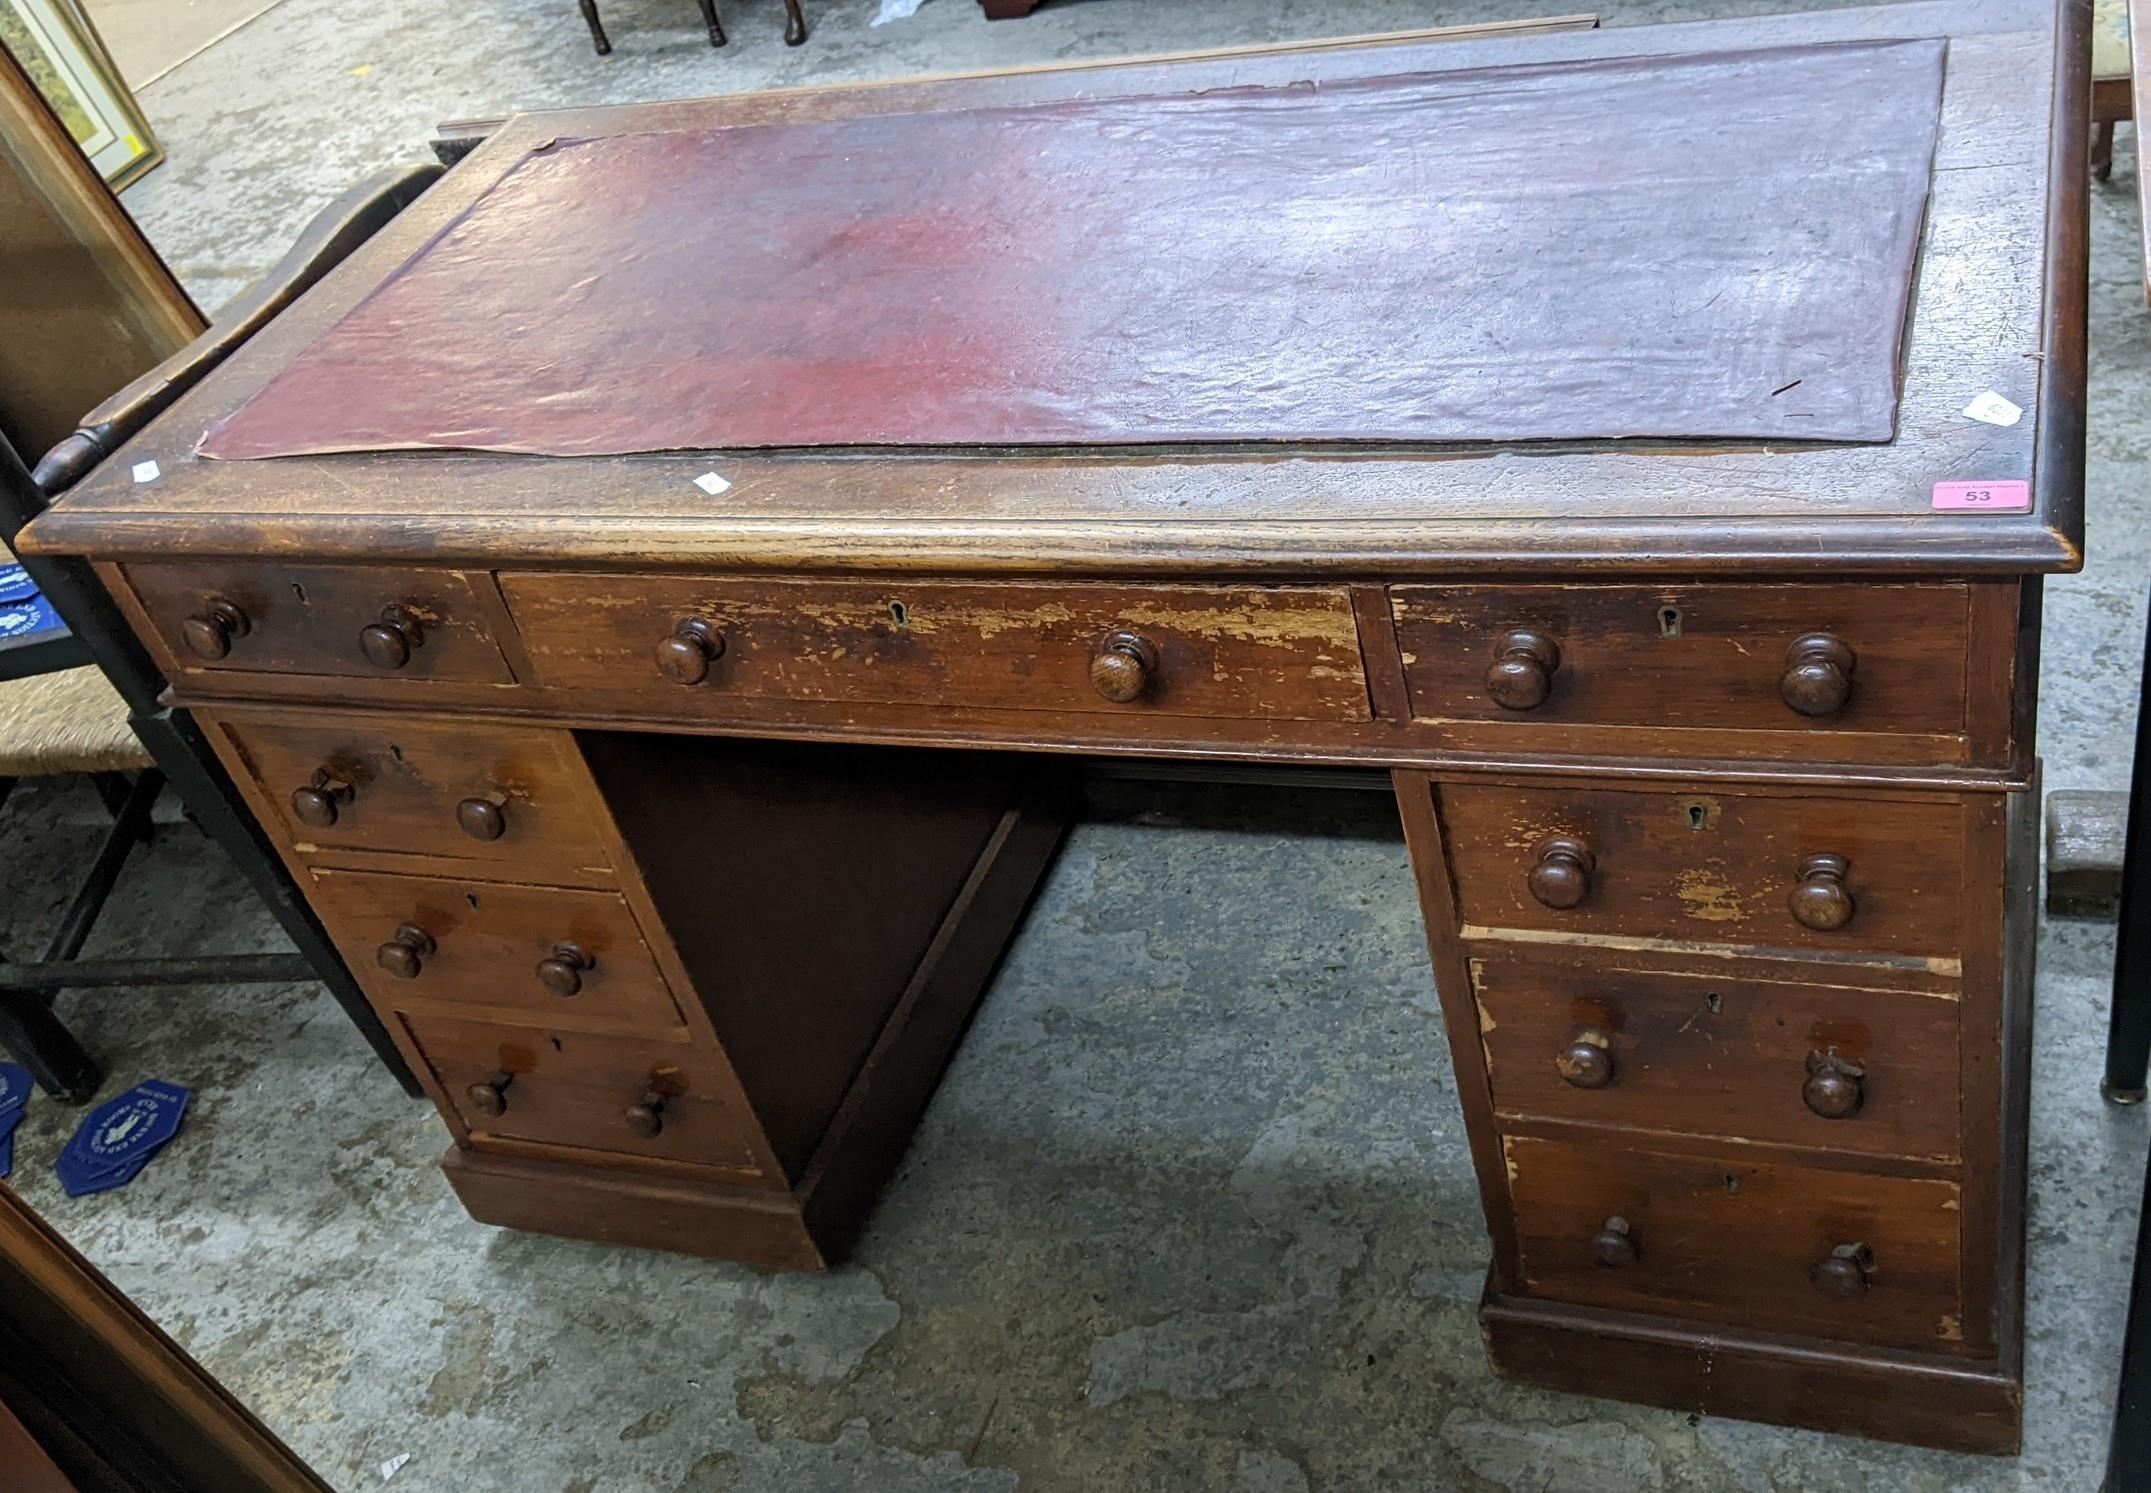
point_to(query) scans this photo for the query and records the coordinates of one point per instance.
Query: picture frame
(56, 44)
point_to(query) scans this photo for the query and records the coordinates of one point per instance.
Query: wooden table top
(1626, 299)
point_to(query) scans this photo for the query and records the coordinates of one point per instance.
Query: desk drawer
(1727, 1240)
(685, 645)
(1613, 1040)
(572, 957)
(550, 1087)
(391, 622)
(1848, 875)
(1823, 660)
(512, 797)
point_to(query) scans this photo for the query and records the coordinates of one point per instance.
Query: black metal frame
(2128, 1054)
(29, 1028)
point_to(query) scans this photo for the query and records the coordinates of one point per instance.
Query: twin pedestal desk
(656, 589)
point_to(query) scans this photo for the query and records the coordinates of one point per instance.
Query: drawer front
(549, 1087)
(1689, 863)
(572, 957)
(508, 796)
(1285, 652)
(1821, 1064)
(1726, 1240)
(305, 619)
(1797, 658)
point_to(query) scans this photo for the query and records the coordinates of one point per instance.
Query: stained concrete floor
(1192, 1210)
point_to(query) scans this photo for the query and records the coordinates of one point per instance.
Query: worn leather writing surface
(1703, 246)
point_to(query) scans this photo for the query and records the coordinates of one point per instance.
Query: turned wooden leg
(1008, 10)
(709, 17)
(597, 31)
(795, 24)
(2102, 149)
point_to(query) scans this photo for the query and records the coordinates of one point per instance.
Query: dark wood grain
(1706, 866)
(490, 938)
(408, 781)
(1707, 1055)
(1289, 651)
(309, 619)
(1724, 1236)
(1707, 656)
(574, 1089)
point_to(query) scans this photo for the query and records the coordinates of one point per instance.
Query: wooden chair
(795, 24)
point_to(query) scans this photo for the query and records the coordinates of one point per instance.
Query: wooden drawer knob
(209, 632)
(1615, 1245)
(404, 955)
(481, 818)
(646, 1116)
(1843, 1272)
(489, 1096)
(1819, 899)
(563, 972)
(387, 644)
(318, 804)
(686, 655)
(1587, 1062)
(1833, 1087)
(1818, 674)
(1561, 875)
(1123, 666)
(1522, 673)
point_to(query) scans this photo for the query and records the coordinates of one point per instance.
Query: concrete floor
(148, 38)
(1192, 1211)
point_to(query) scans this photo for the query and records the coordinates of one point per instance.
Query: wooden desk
(675, 807)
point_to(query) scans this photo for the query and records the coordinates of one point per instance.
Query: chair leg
(37, 1039)
(2128, 1458)
(2128, 1040)
(709, 17)
(795, 24)
(597, 29)
(2102, 150)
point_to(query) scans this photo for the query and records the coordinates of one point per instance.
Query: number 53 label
(1983, 497)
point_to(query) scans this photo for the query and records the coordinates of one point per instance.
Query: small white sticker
(1991, 409)
(147, 471)
(712, 484)
(394, 1465)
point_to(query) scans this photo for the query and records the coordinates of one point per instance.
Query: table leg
(709, 18)
(795, 24)
(2128, 1042)
(2128, 1463)
(2102, 150)
(597, 29)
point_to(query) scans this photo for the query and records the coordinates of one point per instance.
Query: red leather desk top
(1714, 245)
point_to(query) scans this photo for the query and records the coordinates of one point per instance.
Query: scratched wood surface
(1998, 305)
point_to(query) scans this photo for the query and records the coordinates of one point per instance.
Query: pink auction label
(1983, 497)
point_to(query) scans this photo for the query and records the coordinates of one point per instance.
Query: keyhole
(1732, 1183)
(395, 751)
(1715, 1001)
(472, 898)
(556, 1043)
(1669, 622)
(299, 591)
(900, 615)
(1698, 816)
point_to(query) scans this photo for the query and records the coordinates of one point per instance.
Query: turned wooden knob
(387, 644)
(209, 632)
(646, 1116)
(1522, 673)
(686, 655)
(481, 818)
(1615, 1245)
(1561, 875)
(1818, 674)
(563, 972)
(489, 1096)
(1833, 1088)
(1587, 1062)
(404, 955)
(317, 804)
(1819, 899)
(1122, 666)
(1843, 1272)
